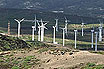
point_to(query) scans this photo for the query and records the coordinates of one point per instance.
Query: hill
(10, 14)
(79, 7)
(9, 43)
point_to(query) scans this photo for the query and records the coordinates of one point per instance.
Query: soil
(66, 61)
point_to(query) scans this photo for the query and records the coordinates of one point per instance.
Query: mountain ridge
(87, 7)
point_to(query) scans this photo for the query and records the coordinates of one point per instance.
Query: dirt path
(65, 61)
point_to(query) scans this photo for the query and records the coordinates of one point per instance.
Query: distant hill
(10, 14)
(79, 7)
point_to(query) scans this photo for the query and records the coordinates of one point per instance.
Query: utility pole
(8, 27)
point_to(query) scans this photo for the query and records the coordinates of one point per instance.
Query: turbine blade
(45, 23)
(22, 20)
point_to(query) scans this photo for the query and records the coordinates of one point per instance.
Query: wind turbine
(42, 30)
(100, 31)
(19, 26)
(82, 24)
(63, 29)
(75, 38)
(92, 38)
(96, 41)
(66, 25)
(54, 35)
(56, 25)
(101, 23)
(35, 20)
(33, 27)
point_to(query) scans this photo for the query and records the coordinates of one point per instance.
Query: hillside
(10, 14)
(79, 7)
(10, 43)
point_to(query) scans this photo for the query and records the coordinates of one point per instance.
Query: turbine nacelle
(42, 25)
(33, 27)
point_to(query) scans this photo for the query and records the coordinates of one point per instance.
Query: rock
(71, 53)
(62, 53)
(73, 56)
(48, 60)
(3, 53)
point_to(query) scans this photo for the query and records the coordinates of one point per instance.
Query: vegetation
(93, 66)
(19, 62)
(99, 52)
(10, 43)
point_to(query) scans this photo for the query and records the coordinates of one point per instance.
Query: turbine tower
(92, 38)
(33, 27)
(82, 24)
(66, 25)
(54, 35)
(35, 22)
(56, 25)
(19, 25)
(42, 30)
(39, 32)
(63, 29)
(96, 41)
(75, 38)
(100, 31)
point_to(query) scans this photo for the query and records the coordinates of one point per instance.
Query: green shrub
(28, 58)
(91, 64)
(15, 67)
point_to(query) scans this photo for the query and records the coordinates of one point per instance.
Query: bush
(15, 67)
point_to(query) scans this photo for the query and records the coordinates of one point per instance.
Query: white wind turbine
(42, 30)
(100, 31)
(35, 22)
(19, 25)
(33, 27)
(63, 29)
(54, 34)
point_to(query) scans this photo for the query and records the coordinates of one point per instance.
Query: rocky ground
(50, 58)
(18, 54)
